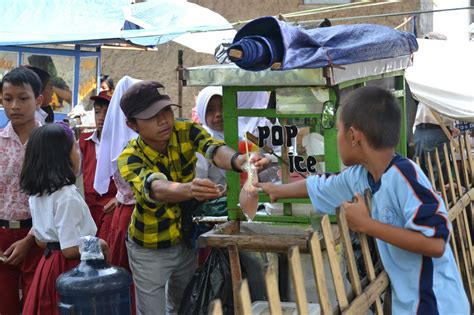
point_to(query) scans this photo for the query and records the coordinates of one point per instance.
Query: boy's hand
(17, 251)
(270, 189)
(357, 214)
(111, 205)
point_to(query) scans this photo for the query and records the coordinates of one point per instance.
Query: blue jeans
(426, 140)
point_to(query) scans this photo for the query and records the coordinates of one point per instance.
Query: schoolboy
(408, 219)
(160, 167)
(101, 206)
(21, 90)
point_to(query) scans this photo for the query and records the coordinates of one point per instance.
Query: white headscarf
(201, 106)
(114, 138)
(244, 100)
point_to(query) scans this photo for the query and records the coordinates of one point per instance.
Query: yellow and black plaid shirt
(156, 224)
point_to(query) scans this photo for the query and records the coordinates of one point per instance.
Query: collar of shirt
(93, 137)
(9, 132)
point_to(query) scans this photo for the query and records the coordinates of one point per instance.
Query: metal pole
(179, 71)
(385, 15)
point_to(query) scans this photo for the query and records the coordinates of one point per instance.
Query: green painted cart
(307, 96)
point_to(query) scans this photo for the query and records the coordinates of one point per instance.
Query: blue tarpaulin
(29, 22)
(265, 41)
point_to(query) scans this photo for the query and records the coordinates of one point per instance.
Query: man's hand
(357, 214)
(204, 189)
(17, 252)
(256, 159)
(111, 205)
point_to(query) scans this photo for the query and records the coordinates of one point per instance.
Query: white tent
(442, 77)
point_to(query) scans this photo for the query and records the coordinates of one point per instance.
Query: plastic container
(94, 287)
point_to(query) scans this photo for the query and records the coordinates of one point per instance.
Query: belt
(51, 246)
(428, 126)
(16, 224)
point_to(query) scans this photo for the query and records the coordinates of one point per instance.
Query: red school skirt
(43, 297)
(118, 233)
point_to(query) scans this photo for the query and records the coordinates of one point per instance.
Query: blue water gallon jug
(94, 287)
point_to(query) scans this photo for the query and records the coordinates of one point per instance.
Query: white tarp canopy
(442, 77)
(37, 22)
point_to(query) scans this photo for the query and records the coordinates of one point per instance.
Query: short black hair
(47, 166)
(101, 103)
(109, 80)
(374, 111)
(22, 75)
(43, 75)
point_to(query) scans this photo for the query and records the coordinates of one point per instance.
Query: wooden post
(350, 258)
(298, 280)
(334, 263)
(273, 295)
(179, 71)
(244, 298)
(429, 162)
(319, 274)
(441, 177)
(215, 308)
(236, 274)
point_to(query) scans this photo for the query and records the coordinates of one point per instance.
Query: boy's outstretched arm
(292, 190)
(360, 221)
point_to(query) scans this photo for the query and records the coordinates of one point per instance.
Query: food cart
(305, 98)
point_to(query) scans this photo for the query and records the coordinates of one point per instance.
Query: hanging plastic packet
(249, 193)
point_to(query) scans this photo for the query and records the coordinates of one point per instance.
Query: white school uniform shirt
(61, 217)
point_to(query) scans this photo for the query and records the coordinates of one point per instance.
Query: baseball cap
(144, 100)
(102, 96)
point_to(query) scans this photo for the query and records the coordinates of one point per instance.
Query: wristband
(232, 163)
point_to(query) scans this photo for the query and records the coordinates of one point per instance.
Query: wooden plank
(262, 243)
(469, 156)
(244, 298)
(465, 270)
(467, 243)
(455, 211)
(273, 295)
(417, 161)
(462, 152)
(440, 177)
(334, 263)
(455, 252)
(347, 244)
(429, 162)
(215, 308)
(226, 228)
(294, 260)
(236, 274)
(319, 274)
(456, 171)
(468, 239)
(450, 176)
(371, 294)
(366, 254)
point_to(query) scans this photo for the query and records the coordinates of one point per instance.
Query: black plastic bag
(210, 281)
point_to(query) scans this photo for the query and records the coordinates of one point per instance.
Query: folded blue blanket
(266, 40)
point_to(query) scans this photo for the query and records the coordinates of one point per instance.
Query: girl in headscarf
(210, 109)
